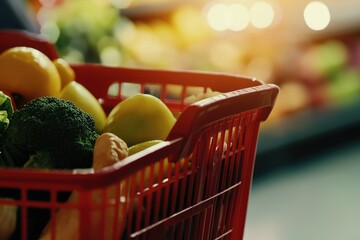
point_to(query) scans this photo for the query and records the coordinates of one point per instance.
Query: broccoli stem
(12, 155)
(40, 160)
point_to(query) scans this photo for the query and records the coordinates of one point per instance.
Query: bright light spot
(239, 17)
(191, 25)
(74, 56)
(120, 3)
(218, 17)
(262, 14)
(110, 56)
(317, 16)
(114, 89)
(51, 31)
(223, 17)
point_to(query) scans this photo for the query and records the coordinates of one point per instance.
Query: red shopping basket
(194, 185)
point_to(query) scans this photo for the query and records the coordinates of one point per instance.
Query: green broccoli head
(50, 133)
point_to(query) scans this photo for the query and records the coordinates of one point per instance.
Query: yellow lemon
(159, 173)
(141, 146)
(86, 101)
(156, 171)
(28, 72)
(140, 118)
(66, 73)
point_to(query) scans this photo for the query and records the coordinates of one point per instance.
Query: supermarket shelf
(307, 133)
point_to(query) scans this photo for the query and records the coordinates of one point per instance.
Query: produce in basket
(47, 133)
(6, 111)
(139, 118)
(50, 133)
(143, 145)
(78, 94)
(140, 147)
(168, 168)
(65, 71)
(7, 220)
(28, 73)
(200, 96)
(7, 212)
(85, 100)
(108, 150)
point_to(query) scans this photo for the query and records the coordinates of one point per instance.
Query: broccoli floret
(50, 133)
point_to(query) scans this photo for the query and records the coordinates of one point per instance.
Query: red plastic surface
(195, 185)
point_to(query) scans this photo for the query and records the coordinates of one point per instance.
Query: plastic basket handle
(198, 115)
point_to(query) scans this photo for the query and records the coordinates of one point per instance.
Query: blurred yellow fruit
(159, 173)
(141, 146)
(28, 72)
(86, 101)
(140, 118)
(66, 73)
(201, 95)
(156, 169)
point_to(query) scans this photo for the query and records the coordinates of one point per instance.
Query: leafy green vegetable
(6, 111)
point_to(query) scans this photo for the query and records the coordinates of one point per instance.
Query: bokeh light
(120, 3)
(218, 17)
(262, 14)
(222, 17)
(240, 17)
(110, 56)
(317, 15)
(50, 30)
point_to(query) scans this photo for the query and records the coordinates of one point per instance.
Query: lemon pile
(27, 73)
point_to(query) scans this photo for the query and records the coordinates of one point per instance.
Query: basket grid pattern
(193, 187)
(196, 181)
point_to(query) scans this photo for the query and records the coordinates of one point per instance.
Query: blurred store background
(311, 49)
